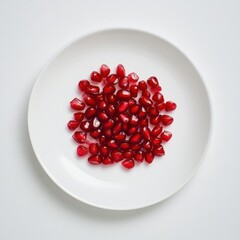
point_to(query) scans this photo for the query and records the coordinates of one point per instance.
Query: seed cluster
(124, 120)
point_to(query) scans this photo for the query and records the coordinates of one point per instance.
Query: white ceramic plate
(112, 187)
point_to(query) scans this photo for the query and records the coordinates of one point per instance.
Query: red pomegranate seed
(123, 83)
(120, 70)
(133, 121)
(90, 101)
(156, 141)
(81, 151)
(132, 102)
(72, 125)
(142, 85)
(166, 136)
(102, 104)
(132, 130)
(98, 97)
(152, 82)
(153, 112)
(116, 155)
(143, 122)
(146, 102)
(136, 147)
(92, 89)
(158, 151)
(146, 93)
(139, 156)
(102, 116)
(104, 70)
(147, 145)
(123, 118)
(166, 120)
(109, 89)
(134, 109)
(96, 77)
(128, 163)
(108, 124)
(83, 84)
(156, 130)
(120, 136)
(128, 154)
(134, 90)
(102, 139)
(142, 113)
(104, 150)
(110, 110)
(90, 112)
(111, 98)
(149, 157)
(112, 79)
(80, 137)
(122, 107)
(125, 127)
(93, 148)
(155, 120)
(135, 138)
(77, 104)
(107, 132)
(133, 77)
(117, 128)
(124, 145)
(95, 159)
(170, 106)
(112, 144)
(95, 134)
(79, 116)
(146, 133)
(107, 161)
(160, 106)
(86, 126)
(123, 95)
(158, 97)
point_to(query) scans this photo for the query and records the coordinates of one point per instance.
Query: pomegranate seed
(158, 97)
(135, 138)
(166, 136)
(143, 122)
(149, 157)
(96, 77)
(156, 130)
(120, 70)
(90, 113)
(155, 120)
(128, 163)
(132, 130)
(170, 106)
(147, 145)
(95, 134)
(142, 113)
(108, 124)
(144, 101)
(90, 101)
(111, 98)
(109, 89)
(107, 161)
(153, 112)
(93, 148)
(112, 79)
(146, 93)
(80, 137)
(95, 159)
(132, 102)
(125, 127)
(152, 82)
(166, 120)
(120, 136)
(134, 90)
(156, 141)
(102, 139)
(72, 125)
(123, 95)
(133, 77)
(134, 109)
(77, 104)
(146, 133)
(102, 116)
(128, 154)
(123, 118)
(92, 89)
(79, 116)
(124, 146)
(122, 107)
(123, 83)
(160, 106)
(107, 133)
(136, 147)
(139, 156)
(86, 126)
(83, 84)
(98, 97)
(117, 128)
(104, 70)
(102, 104)
(116, 155)
(112, 144)
(133, 121)
(142, 85)
(158, 151)
(104, 150)
(81, 151)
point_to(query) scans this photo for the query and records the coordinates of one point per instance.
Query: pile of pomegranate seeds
(120, 119)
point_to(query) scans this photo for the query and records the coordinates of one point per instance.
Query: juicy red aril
(142, 113)
(125, 127)
(134, 90)
(122, 107)
(123, 95)
(111, 98)
(124, 146)
(116, 155)
(132, 102)
(166, 120)
(156, 141)
(133, 121)
(112, 79)
(104, 70)
(110, 109)
(77, 104)
(145, 101)
(139, 156)
(143, 122)
(158, 151)
(136, 147)
(166, 136)
(81, 151)
(135, 138)
(79, 137)
(83, 84)
(120, 70)
(96, 77)
(117, 128)
(98, 97)
(146, 93)
(148, 157)
(152, 82)
(132, 130)
(102, 139)
(123, 83)
(95, 134)
(79, 116)
(104, 150)
(108, 124)
(134, 109)
(90, 112)
(170, 106)
(112, 144)
(120, 136)
(123, 118)
(107, 161)
(107, 132)
(93, 148)
(133, 77)
(158, 97)
(128, 154)
(128, 163)
(142, 85)
(147, 145)
(95, 159)
(109, 89)
(156, 130)
(86, 126)
(160, 106)
(153, 112)
(72, 125)
(155, 120)
(146, 133)
(102, 104)
(90, 101)
(102, 116)
(92, 89)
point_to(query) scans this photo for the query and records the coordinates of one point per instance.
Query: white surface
(112, 187)
(33, 207)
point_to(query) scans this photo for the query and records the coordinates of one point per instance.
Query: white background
(33, 207)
